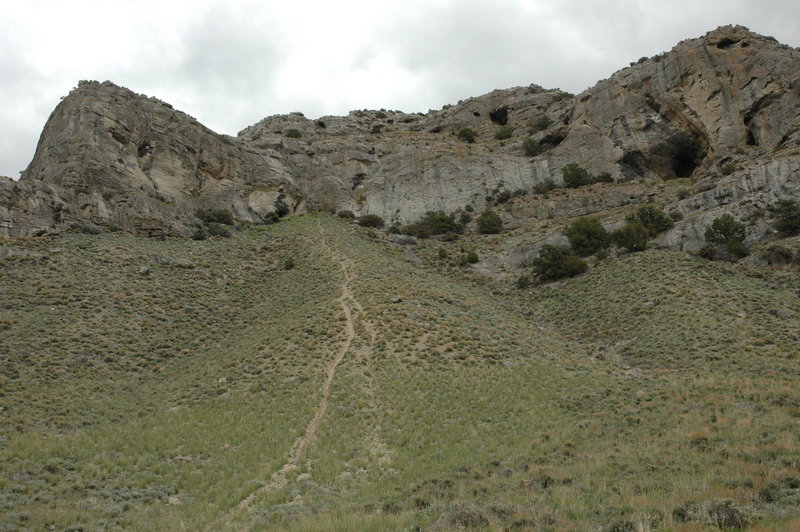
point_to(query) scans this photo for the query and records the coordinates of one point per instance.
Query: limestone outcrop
(711, 126)
(110, 157)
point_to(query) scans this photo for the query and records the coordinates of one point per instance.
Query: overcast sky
(231, 63)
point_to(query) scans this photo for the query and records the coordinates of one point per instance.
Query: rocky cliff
(663, 128)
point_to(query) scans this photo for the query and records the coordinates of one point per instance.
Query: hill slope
(216, 385)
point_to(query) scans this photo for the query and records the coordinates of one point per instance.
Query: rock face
(665, 129)
(110, 157)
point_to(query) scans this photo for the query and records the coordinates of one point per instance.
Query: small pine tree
(489, 222)
(540, 124)
(587, 236)
(531, 147)
(370, 220)
(653, 218)
(467, 135)
(727, 231)
(557, 262)
(632, 237)
(504, 132)
(786, 214)
(575, 176)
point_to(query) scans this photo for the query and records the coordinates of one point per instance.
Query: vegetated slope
(174, 385)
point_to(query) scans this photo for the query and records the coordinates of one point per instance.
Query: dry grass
(644, 394)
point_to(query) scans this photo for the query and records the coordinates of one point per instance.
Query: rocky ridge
(664, 128)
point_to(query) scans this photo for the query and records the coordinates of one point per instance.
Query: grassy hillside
(191, 385)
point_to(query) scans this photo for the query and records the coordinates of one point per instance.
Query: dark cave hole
(552, 140)
(726, 43)
(476, 113)
(499, 116)
(145, 149)
(321, 124)
(751, 138)
(358, 179)
(633, 161)
(685, 159)
(281, 208)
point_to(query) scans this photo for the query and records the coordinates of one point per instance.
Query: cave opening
(552, 140)
(726, 43)
(686, 159)
(499, 116)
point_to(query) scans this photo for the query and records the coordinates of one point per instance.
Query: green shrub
(727, 231)
(270, 218)
(523, 282)
(377, 129)
(653, 218)
(503, 197)
(786, 214)
(540, 124)
(465, 218)
(433, 223)
(603, 177)
(467, 135)
(442, 253)
(587, 235)
(504, 132)
(468, 258)
(708, 251)
(370, 220)
(220, 216)
(288, 263)
(728, 169)
(489, 223)
(557, 262)
(380, 114)
(218, 229)
(532, 147)
(293, 134)
(346, 214)
(737, 249)
(633, 237)
(575, 176)
(89, 229)
(545, 186)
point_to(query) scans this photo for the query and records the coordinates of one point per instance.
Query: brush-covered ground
(216, 385)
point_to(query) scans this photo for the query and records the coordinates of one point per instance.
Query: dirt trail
(349, 306)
